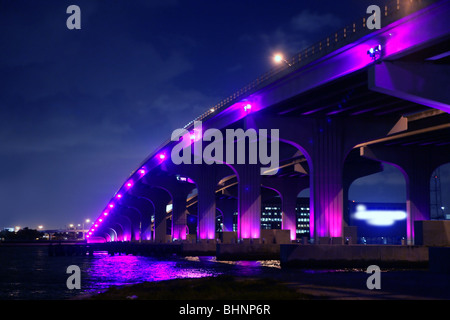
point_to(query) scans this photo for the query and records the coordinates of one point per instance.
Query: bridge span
(338, 109)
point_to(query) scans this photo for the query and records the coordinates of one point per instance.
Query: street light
(278, 58)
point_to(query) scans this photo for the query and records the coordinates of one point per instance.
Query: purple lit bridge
(342, 107)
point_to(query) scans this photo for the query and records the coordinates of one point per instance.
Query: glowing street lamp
(278, 58)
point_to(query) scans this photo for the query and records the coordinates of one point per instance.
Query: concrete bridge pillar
(159, 199)
(178, 191)
(144, 209)
(206, 178)
(249, 201)
(206, 187)
(288, 189)
(179, 213)
(326, 142)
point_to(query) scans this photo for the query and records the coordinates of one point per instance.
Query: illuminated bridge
(342, 106)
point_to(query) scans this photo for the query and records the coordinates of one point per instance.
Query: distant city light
(40, 227)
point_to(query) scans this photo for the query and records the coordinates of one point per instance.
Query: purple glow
(162, 156)
(111, 205)
(119, 196)
(247, 107)
(129, 184)
(142, 171)
(105, 213)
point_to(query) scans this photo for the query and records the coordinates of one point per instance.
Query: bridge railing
(392, 11)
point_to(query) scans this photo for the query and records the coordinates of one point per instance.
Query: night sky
(81, 109)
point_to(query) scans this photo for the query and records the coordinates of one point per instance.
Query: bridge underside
(390, 111)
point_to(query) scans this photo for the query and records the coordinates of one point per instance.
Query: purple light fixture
(375, 52)
(247, 107)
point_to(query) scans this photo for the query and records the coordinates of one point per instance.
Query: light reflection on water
(106, 271)
(120, 270)
(29, 273)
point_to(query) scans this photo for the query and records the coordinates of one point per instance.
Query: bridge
(337, 109)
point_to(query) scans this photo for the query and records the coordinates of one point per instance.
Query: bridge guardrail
(392, 11)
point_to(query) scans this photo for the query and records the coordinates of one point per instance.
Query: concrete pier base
(353, 256)
(432, 233)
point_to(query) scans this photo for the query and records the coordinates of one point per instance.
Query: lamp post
(278, 58)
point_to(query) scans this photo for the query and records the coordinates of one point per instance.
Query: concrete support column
(325, 142)
(288, 189)
(158, 199)
(249, 201)
(417, 195)
(206, 186)
(179, 191)
(326, 180)
(205, 177)
(179, 214)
